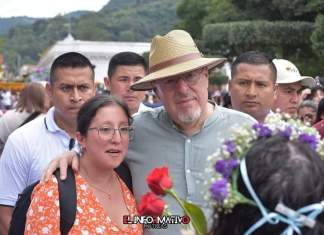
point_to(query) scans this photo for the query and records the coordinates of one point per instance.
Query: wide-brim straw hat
(287, 73)
(174, 54)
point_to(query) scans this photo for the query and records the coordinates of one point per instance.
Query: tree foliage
(223, 11)
(283, 28)
(119, 20)
(7, 23)
(296, 10)
(192, 13)
(318, 36)
(279, 37)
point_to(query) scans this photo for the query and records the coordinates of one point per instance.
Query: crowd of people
(112, 142)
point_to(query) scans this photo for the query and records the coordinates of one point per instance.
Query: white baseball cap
(287, 72)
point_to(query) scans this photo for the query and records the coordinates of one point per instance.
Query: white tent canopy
(99, 53)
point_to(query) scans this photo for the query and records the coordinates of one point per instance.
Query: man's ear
(48, 88)
(230, 85)
(206, 72)
(275, 91)
(156, 91)
(107, 83)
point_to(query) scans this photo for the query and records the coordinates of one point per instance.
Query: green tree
(118, 20)
(304, 10)
(2, 42)
(192, 13)
(280, 38)
(223, 11)
(318, 36)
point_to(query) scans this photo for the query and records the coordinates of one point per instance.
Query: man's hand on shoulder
(62, 162)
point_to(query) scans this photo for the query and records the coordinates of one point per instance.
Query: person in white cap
(290, 84)
(184, 133)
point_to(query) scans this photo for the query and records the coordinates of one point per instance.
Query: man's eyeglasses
(190, 79)
(106, 132)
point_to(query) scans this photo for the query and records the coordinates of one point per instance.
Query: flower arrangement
(224, 164)
(160, 183)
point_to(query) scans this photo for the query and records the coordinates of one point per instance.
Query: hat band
(174, 61)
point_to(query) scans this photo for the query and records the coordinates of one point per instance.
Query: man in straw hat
(184, 133)
(290, 84)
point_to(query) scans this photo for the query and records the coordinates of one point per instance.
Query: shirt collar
(52, 127)
(50, 123)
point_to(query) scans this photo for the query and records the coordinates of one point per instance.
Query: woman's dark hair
(313, 93)
(320, 110)
(279, 171)
(89, 109)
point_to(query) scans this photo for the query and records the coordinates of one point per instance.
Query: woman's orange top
(43, 216)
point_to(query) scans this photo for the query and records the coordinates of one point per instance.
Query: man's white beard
(190, 116)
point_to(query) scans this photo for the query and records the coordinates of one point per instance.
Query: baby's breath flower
(223, 164)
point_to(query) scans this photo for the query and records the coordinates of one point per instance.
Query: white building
(99, 53)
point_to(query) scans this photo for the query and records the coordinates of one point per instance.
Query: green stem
(175, 196)
(234, 179)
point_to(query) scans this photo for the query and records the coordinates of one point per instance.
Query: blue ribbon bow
(295, 220)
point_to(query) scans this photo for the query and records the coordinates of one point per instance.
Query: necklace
(99, 189)
(96, 187)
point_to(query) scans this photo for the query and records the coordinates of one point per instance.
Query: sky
(47, 8)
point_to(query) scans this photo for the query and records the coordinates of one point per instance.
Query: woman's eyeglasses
(106, 132)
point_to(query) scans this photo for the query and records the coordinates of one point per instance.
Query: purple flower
(39, 70)
(262, 130)
(225, 167)
(219, 190)
(230, 146)
(311, 140)
(286, 133)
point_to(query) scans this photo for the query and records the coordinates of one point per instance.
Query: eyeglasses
(308, 117)
(190, 79)
(106, 132)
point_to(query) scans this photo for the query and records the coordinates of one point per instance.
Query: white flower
(99, 230)
(45, 230)
(84, 232)
(50, 193)
(83, 187)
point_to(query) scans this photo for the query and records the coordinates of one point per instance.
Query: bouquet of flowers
(224, 163)
(152, 204)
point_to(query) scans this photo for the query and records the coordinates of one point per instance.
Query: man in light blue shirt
(30, 148)
(188, 130)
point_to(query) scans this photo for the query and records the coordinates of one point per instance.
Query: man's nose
(295, 98)
(130, 83)
(251, 90)
(75, 96)
(181, 85)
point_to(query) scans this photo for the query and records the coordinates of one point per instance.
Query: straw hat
(287, 72)
(173, 54)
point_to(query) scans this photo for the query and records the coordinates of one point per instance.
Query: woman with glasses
(103, 132)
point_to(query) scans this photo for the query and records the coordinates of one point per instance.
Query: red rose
(158, 180)
(151, 205)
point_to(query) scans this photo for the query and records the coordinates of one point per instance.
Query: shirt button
(188, 171)
(188, 140)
